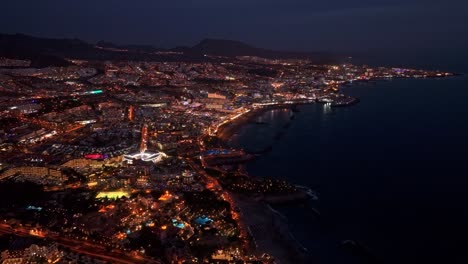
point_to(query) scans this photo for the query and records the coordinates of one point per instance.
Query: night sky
(390, 26)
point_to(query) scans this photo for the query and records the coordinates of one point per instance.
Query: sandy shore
(226, 131)
(268, 227)
(270, 231)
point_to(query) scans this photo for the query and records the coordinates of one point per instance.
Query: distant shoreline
(227, 130)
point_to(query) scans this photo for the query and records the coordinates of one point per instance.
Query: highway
(83, 247)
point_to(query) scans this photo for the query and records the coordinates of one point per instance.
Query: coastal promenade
(226, 128)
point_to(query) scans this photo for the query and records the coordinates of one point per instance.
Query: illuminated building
(216, 96)
(25, 108)
(30, 255)
(33, 172)
(187, 177)
(112, 195)
(96, 156)
(142, 181)
(91, 162)
(144, 154)
(166, 197)
(131, 113)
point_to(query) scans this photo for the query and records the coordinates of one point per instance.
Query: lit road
(83, 247)
(213, 184)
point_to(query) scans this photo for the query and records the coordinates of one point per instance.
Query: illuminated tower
(131, 113)
(144, 138)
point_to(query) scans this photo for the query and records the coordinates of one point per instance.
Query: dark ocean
(391, 171)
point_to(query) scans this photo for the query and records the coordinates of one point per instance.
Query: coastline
(270, 231)
(225, 131)
(282, 256)
(268, 227)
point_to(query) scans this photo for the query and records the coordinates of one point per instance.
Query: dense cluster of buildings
(118, 149)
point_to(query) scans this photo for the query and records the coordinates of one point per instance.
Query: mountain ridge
(26, 46)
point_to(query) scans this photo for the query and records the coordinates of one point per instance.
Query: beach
(229, 129)
(270, 231)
